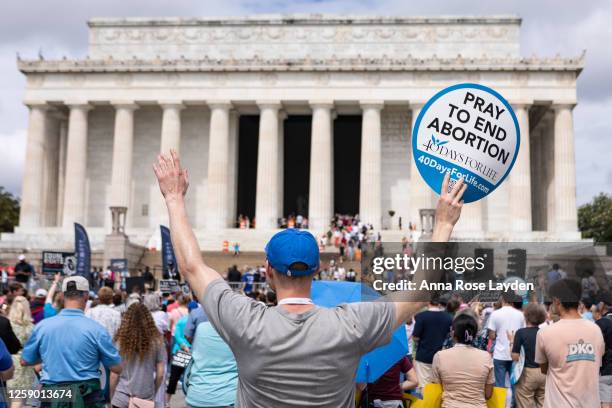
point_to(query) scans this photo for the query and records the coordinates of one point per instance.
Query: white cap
(41, 292)
(22, 257)
(75, 283)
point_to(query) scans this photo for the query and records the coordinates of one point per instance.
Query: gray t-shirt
(138, 378)
(296, 360)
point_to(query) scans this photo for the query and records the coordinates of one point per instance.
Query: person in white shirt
(4, 279)
(104, 313)
(502, 325)
(341, 273)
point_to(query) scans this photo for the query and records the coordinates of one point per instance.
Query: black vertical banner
(82, 251)
(167, 252)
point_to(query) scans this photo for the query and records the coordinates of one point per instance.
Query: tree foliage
(595, 219)
(9, 211)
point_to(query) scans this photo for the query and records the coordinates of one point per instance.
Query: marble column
(321, 193)
(171, 126)
(233, 168)
(31, 196)
(370, 201)
(421, 195)
(548, 169)
(61, 171)
(269, 156)
(123, 147)
(281, 162)
(76, 165)
(566, 217)
(520, 176)
(217, 195)
(50, 172)
(170, 139)
(472, 219)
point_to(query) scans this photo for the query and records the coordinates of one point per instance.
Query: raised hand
(448, 209)
(172, 179)
(450, 202)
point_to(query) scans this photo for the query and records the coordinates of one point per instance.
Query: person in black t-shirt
(605, 372)
(531, 384)
(234, 275)
(23, 271)
(431, 328)
(149, 278)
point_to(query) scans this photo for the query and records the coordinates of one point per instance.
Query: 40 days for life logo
(469, 131)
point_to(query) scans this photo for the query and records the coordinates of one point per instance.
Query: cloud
(59, 28)
(13, 147)
(593, 147)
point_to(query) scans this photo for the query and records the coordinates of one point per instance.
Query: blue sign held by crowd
(469, 131)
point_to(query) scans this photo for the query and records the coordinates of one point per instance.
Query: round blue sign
(469, 131)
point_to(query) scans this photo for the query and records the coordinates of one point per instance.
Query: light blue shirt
(179, 335)
(71, 347)
(213, 377)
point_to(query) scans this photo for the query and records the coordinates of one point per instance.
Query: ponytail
(465, 328)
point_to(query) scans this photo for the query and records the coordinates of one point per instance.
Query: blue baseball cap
(291, 246)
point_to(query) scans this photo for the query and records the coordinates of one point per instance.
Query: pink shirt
(175, 315)
(573, 349)
(463, 371)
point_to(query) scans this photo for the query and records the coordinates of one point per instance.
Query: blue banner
(170, 268)
(82, 251)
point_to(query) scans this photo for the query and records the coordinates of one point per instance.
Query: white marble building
(147, 85)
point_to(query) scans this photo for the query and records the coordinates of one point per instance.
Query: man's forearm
(410, 302)
(184, 242)
(112, 384)
(442, 232)
(448, 211)
(187, 250)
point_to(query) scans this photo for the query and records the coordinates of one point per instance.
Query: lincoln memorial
(278, 115)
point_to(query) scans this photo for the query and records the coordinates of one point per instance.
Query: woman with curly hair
(142, 350)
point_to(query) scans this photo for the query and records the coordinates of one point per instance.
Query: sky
(57, 28)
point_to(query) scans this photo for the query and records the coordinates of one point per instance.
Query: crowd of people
(556, 354)
(110, 347)
(348, 234)
(250, 279)
(468, 348)
(255, 339)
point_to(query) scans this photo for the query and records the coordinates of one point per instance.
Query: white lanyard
(295, 301)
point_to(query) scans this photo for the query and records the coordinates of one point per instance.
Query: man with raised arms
(295, 354)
